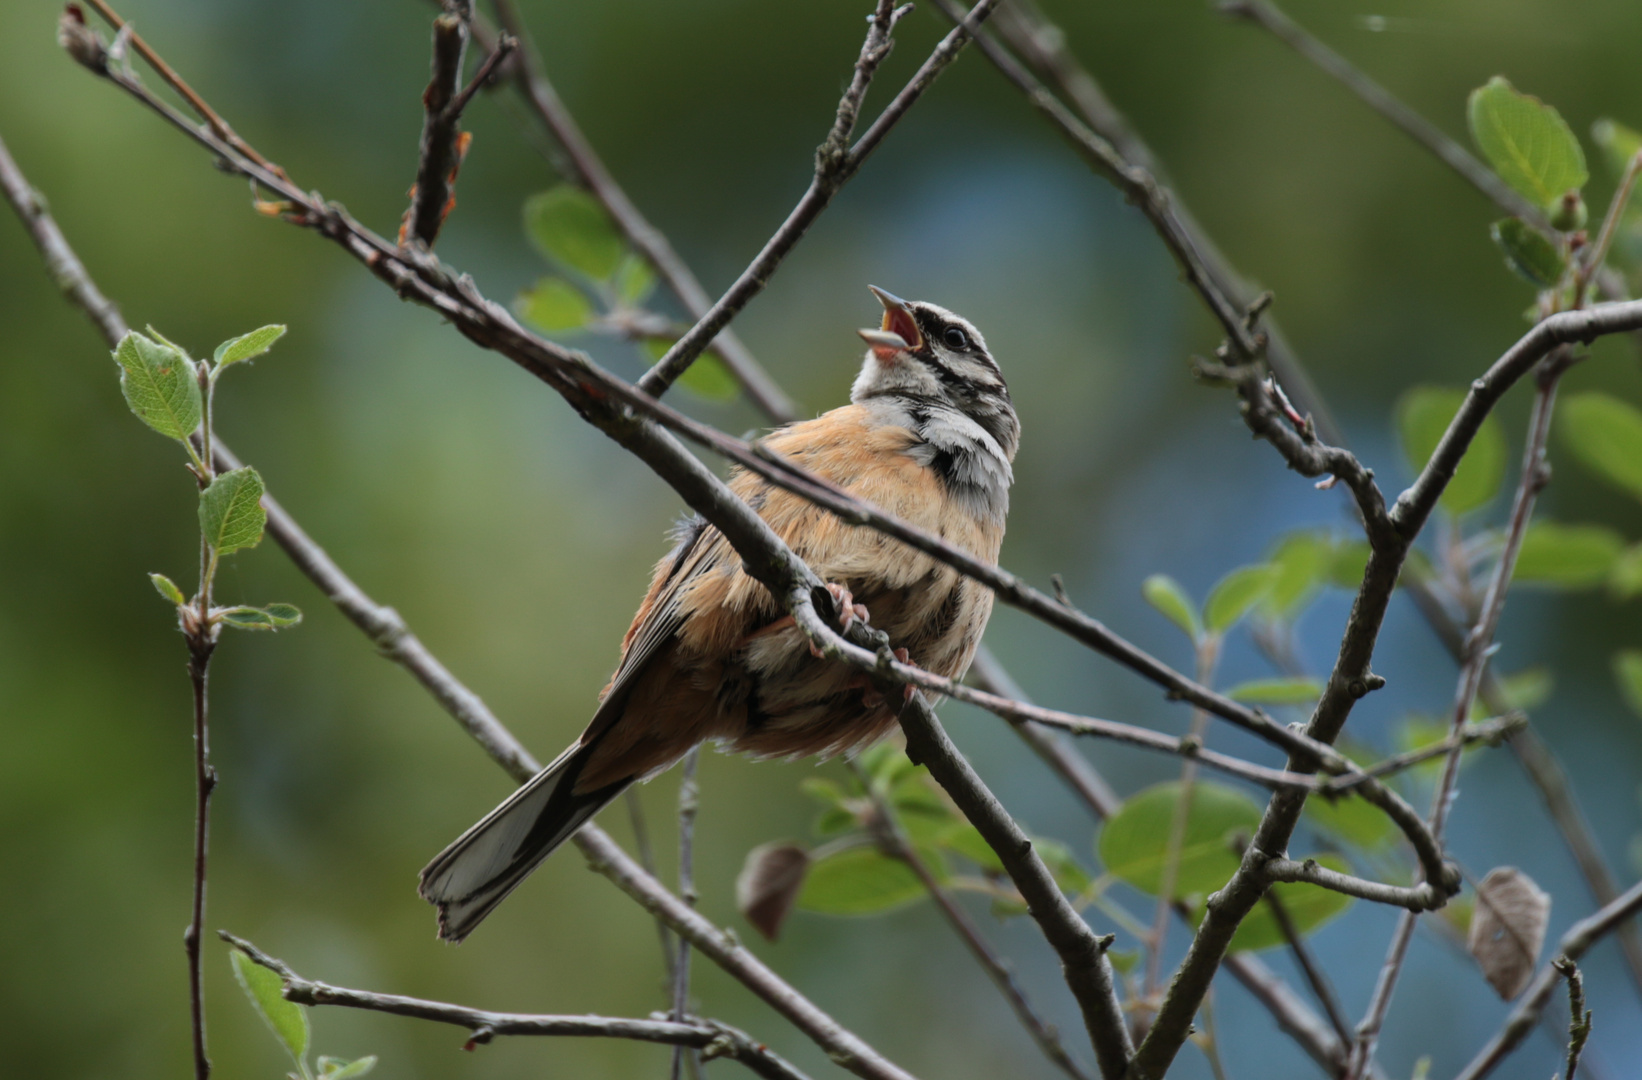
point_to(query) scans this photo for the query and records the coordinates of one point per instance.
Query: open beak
(899, 332)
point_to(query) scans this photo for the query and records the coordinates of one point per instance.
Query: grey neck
(968, 458)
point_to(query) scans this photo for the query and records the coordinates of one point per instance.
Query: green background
(516, 540)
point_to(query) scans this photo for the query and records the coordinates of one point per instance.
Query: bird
(930, 435)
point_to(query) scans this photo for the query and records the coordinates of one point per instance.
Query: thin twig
(1491, 732)
(713, 1038)
(1531, 1004)
(1316, 978)
(688, 803)
(647, 859)
(1083, 955)
(836, 161)
(1579, 1017)
(1270, 18)
(890, 835)
(1421, 897)
(440, 153)
(200, 646)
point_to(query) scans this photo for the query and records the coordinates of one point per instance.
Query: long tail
(476, 872)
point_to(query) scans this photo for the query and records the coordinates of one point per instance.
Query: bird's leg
(848, 612)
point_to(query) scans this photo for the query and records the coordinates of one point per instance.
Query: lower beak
(885, 345)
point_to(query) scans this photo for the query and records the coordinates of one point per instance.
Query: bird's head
(925, 353)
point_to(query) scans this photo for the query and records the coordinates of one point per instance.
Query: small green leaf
(1307, 906)
(283, 614)
(827, 792)
(1286, 691)
(287, 1021)
(231, 513)
(1527, 142)
(159, 384)
(272, 617)
(1423, 415)
(634, 279)
(1123, 960)
(331, 1068)
(1606, 434)
(860, 881)
(1134, 842)
(168, 589)
(1567, 556)
(1619, 144)
(706, 377)
(1300, 566)
(1627, 670)
(1065, 869)
(1626, 579)
(835, 821)
(1233, 596)
(553, 305)
(1352, 820)
(966, 840)
(570, 227)
(1165, 594)
(1528, 688)
(247, 346)
(1349, 565)
(1528, 252)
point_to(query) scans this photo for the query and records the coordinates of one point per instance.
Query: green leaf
(1123, 960)
(331, 1068)
(168, 589)
(272, 617)
(1619, 144)
(1627, 670)
(553, 305)
(247, 346)
(287, 1021)
(1606, 434)
(835, 821)
(826, 792)
(1133, 843)
(861, 881)
(1528, 252)
(159, 384)
(1350, 563)
(1567, 556)
(1352, 820)
(1286, 691)
(1626, 579)
(634, 279)
(570, 227)
(1233, 596)
(231, 513)
(1299, 567)
(1307, 906)
(706, 377)
(966, 840)
(1527, 142)
(1065, 869)
(1528, 688)
(1164, 593)
(1423, 415)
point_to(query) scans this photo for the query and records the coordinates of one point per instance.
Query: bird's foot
(848, 612)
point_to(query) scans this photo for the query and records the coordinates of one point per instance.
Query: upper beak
(899, 331)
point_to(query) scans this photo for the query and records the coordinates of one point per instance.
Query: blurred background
(516, 540)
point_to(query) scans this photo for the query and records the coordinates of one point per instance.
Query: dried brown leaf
(769, 883)
(1508, 928)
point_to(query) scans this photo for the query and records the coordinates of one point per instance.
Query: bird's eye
(955, 338)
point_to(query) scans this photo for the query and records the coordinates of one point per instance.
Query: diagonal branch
(715, 1039)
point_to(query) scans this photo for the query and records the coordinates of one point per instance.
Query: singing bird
(929, 435)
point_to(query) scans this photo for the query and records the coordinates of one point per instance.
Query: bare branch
(1270, 18)
(1490, 732)
(442, 145)
(1082, 954)
(715, 1039)
(1422, 897)
(1321, 989)
(1575, 943)
(688, 804)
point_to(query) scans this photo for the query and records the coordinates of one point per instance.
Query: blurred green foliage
(516, 540)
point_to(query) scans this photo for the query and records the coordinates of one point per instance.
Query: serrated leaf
(1284, 691)
(339, 1069)
(1508, 928)
(1625, 580)
(1234, 595)
(287, 1021)
(1165, 594)
(861, 881)
(168, 589)
(1567, 556)
(769, 882)
(1526, 141)
(1627, 670)
(231, 513)
(159, 384)
(1606, 434)
(553, 305)
(634, 279)
(1300, 566)
(1534, 258)
(1307, 906)
(1423, 415)
(1133, 843)
(570, 227)
(247, 346)
(1619, 144)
